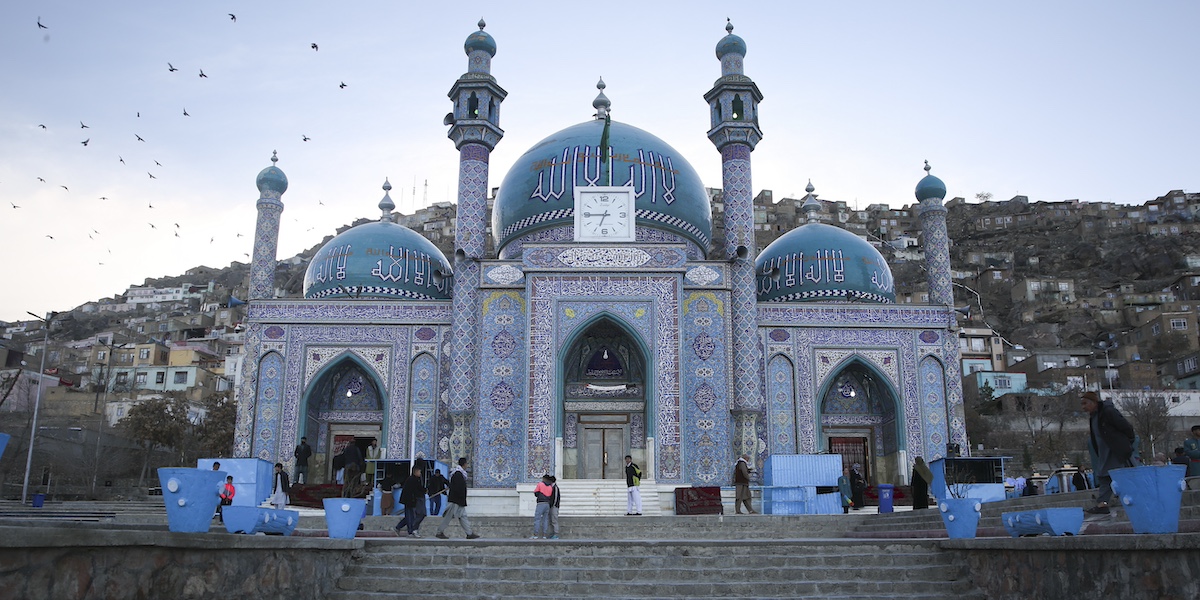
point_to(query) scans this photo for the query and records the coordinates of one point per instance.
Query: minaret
(733, 106)
(272, 183)
(930, 193)
(475, 129)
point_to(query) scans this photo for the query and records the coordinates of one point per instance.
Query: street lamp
(37, 400)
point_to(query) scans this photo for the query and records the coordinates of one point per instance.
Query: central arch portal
(604, 401)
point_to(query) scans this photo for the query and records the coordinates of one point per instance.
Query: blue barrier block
(1049, 521)
(253, 519)
(191, 497)
(1151, 496)
(3, 442)
(342, 516)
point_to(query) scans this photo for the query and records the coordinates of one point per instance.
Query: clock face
(604, 214)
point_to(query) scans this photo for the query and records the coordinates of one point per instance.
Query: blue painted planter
(960, 515)
(342, 516)
(3, 442)
(191, 496)
(1150, 496)
(253, 519)
(1049, 521)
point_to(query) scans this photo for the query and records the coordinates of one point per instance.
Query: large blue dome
(378, 260)
(822, 263)
(537, 194)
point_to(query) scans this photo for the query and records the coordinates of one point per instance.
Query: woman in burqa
(921, 478)
(858, 485)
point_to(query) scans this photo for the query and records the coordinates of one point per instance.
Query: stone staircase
(654, 569)
(603, 497)
(129, 512)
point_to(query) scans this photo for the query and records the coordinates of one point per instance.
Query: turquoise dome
(480, 40)
(930, 187)
(731, 44)
(378, 260)
(271, 180)
(538, 191)
(822, 263)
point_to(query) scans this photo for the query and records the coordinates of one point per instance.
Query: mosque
(604, 324)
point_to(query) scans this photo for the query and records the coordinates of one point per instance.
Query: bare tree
(1150, 419)
(156, 423)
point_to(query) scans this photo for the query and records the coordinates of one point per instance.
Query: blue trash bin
(39, 500)
(885, 497)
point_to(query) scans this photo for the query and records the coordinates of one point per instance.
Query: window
(160, 377)
(1178, 324)
(140, 378)
(1189, 364)
(181, 377)
(122, 377)
(1003, 383)
(1035, 286)
(1063, 286)
(977, 345)
(101, 355)
(1156, 329)
(144, 353)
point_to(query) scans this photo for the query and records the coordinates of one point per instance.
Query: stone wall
(1131, 567)
(68, 563)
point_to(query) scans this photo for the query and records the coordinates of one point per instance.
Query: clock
(604, 214)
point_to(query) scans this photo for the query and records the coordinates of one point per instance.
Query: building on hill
(604, 322)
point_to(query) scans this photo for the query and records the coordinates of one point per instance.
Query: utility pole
(37, 400)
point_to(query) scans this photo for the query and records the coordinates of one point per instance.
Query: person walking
(437, 491)
(543, 492)
(302, 453)
(922, 476)
(280, 488)
(456, 502)
(858, 485)
(633, 478)
(412, 495)
(1110, 442)
(353, 460)
(1191, 447)
(227, 494)
(741, 484)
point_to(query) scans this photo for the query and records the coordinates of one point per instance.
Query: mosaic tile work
(781, 393)
(423, 378)
(661, 336)
(739, 232)
(956, 421)
(299, 311)
(464, 340)
(933, 404)
(603, 257)
(706, 367)
(318, 357)
(937, 251)
(269, 404)
(503, 401)
(266, 241)
(566, 234)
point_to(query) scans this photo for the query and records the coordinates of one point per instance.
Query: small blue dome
(271, 180)
(378, 260)
(930, 187)
(822, 263)
(480, 40)
(730, 44)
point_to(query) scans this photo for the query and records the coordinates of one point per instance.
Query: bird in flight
(176, 234)
(49, 236)
(85, 142)
(343, 85)
(304, 137)
(233, 17)
(95, 232)
(202, 74)
(41, 180)
(14, 205)
(101, 264)
(42, 125)
(177, 226)
(91, 238)
(103, 198)
(151, 206)
(139, 114)
(151, 176)
(314, 46)
(64, 187)
(151, 225)
(82, 126)
(185, 112)
(139, 138)
(158, 163)
(40, 26)
(120, 159)
(239, 235)
(321, 203)
(210, 240)
(171, 68)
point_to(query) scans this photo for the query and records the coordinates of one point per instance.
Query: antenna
(425, 194)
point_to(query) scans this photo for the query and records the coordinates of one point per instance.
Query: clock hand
(603, 216)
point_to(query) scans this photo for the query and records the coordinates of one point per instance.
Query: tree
(159, 422)
(215, 433)
(1150, 419)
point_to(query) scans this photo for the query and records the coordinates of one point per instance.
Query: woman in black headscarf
(921, 478)
(858, 485)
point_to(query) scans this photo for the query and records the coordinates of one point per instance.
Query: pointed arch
(268, 406)
(781, 402)
(424, 372)
(638, 343)
(322, 383)
(888, 399)
(931, 391)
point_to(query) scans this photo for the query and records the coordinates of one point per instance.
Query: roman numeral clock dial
(604, 214)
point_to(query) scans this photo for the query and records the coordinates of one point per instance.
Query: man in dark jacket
(354, 466)
(412, 496)
(1110, 442)
(456, 502)
(437, 489)
(302, 453)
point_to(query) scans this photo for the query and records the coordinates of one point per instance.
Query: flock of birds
(138, 138)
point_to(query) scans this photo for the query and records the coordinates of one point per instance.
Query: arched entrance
(857, 417)
(344, 405)
(604, 401)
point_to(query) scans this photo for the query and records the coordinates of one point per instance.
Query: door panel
(602, 452)
(614, 445)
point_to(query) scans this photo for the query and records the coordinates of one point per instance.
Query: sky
(1053, 100)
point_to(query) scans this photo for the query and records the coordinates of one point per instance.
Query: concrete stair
(654, 569)
(603, 497)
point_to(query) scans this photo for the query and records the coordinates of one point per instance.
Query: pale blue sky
(1054, 100)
